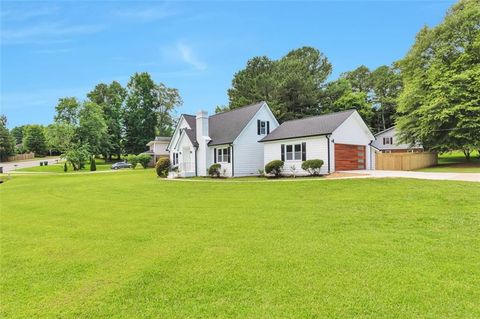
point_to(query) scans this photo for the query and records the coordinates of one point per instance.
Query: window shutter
(258, 127)
(214, 155)
(228, 152)
(268, 127)
(283, 152)
(304, 151)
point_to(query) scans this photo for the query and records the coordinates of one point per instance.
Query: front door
(187, 159)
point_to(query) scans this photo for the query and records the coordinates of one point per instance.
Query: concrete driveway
(11, 166)
(468, 177)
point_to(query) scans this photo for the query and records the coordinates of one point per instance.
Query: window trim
(292, 152)
(223, 155)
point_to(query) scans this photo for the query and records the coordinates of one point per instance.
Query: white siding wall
(316, 149)
(378, 143)
(248, 153)
(160, 148)
(227, 166)
(352, 131)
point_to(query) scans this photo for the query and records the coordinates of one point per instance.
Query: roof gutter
(293, 137)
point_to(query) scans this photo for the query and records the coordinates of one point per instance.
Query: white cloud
(188, 56)
(46, 32)
(26, 14)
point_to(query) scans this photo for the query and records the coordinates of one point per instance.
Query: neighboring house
(388, 142)
(230, 138)
(342, 140)
(158, 148)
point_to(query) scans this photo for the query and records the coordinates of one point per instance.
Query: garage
(349, 157)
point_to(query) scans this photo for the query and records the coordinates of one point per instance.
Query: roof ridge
(316, 116)
(385, 130)
(238, 108)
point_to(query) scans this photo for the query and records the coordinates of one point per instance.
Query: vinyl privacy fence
(404, 161)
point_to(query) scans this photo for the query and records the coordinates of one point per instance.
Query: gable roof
(226, 126)
(310, 126)
(384, 131)
(223, 128)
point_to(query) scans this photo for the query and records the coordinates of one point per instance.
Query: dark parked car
(120, 165)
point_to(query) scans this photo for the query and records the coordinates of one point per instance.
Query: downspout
(233, 170)
(328, 151)
(195, 148)
(370, 151)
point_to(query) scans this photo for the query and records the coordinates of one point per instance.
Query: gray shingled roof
(162, 138)
(310, 126)
(224, 127)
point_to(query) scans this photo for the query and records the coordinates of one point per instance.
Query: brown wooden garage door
(349, 157)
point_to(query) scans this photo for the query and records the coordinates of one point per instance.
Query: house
(342, 140)
(157, 148)
(230, 138)
(388, 142)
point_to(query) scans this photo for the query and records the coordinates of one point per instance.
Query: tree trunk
(466, 152)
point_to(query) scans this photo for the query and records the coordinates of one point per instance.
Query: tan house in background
(158, 148)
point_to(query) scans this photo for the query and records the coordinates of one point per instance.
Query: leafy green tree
(77, 155)
(59, 136)
(140, 118)
(91, 129)
(440, 103)
(93, 165)
(144, 160)
(7, 141)
(17, 133)
(67, 110)
(291, 85)
(111, 99)
(386, 83)
(360, 79)
(132, 159)
(166, 101)
(34, 139)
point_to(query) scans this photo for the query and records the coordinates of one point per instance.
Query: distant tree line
(112, 120)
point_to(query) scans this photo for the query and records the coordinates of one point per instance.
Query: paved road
(468, 177)
(10, 166)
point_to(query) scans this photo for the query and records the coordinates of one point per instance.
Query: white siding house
(388, 142)
(230, 139)
(342, 140)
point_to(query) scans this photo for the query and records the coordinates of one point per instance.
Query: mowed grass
(58, 168)
(129, 245)
(455, 162)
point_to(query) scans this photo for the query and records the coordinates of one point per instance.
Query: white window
(263, 127)
(294, 152)
(223, 155)
(388, 141)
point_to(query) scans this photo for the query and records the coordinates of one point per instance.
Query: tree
(59, 136)
(440, 103)
(166, 100)
(77, 156)
(17, 133)
(110, 98)
(91, 129)
(7, 141)
(360, 79)
(386, 84)
(67, 110)
(291, 85)
(93, 165)
(34, 139)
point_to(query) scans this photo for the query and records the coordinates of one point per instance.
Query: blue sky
(55, 49)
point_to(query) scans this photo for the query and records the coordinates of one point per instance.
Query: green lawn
(129, 245)
(455, 162)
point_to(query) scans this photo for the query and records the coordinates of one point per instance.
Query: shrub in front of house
(274, 167)
(144, 160)
(214, 170)
(312, 166)
(163, 166)
(132, 159)
(65, 168)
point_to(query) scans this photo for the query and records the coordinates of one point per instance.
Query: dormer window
(263, 127)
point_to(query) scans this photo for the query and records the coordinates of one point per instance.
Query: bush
(214, 170)
(65, 168)
(274, 167)
(132, 159)
(93, 165)
(163, 166)
(144, 160)
(312, 166)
